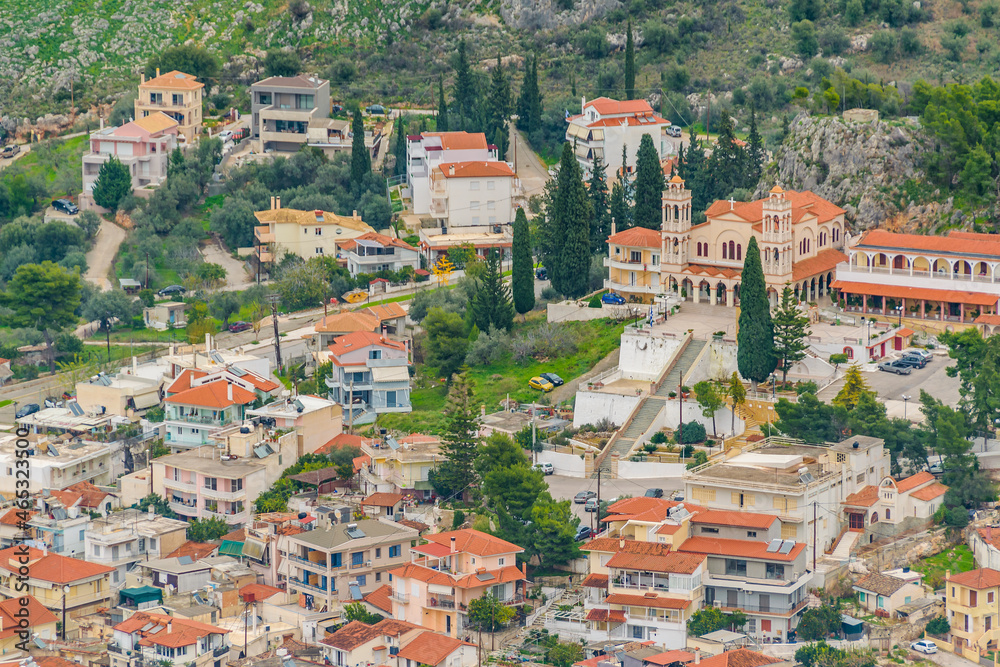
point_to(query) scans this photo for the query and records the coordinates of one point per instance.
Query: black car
(29, 409)
(336, 108)
(912, 361)
(66, 206)
(584, 496)
(542, 273)
(376, 109)
(170, 290)
(654, 493)
(583, 533)
(554, 379)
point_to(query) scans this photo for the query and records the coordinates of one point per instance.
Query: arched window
(732, 250)
(725, 255)
(849, 351)
(888, 515)
(676, 213)
(874, 517)
(739, 251)
(767, 254)
(836, 234)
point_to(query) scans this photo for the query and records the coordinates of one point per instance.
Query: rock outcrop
(548, 14)
(861, 167)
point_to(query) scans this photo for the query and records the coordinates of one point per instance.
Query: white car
(924, 646)
(225, 135)
(546, 468)
(921, 352)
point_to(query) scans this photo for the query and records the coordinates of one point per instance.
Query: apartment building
(122, 539)
(56, 466)
(194, 414)
(143, 146)
(343, 562)
(173, 94)
(782, 477)
(448, 572)
(370, 376)
(201, 484)
(174, 641)
(373, 252)
(402, 466)
(283, 107)
(426, 151)
(386, 318)
(315, 420)
(972, 600)
(213, 360)
(118, 394)
(605, 127)
(303, 233)
(50, 574)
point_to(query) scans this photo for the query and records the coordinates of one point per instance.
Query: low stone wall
(568, 465)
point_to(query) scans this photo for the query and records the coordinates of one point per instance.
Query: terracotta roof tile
(11, 611)
(913, 481)
(866, 497)
(174, 631)
(470, 581)
(741, 657)
(386, 241)
(53, 567)
(460, 141)
(361, 339)
(669, 658)
(956, 242)
(173, 79)
(156, 122)
(802, 202)
(183, 381)
(238, 535)
(477, 169)
(613, 615)
(982, 578)
(11, 518)
(356, 633)
(595, 581)
(430, 648)
(665, 561)
(988, 319)
(386, 311)
(649, 601)
(733, 518)
(196, 550)
(743, 548)
(383, 500)
(918, 293)
(882, 584)
(824, 260)
(637, 237)
(416, 525)
(607, 106)
(259, 591)
(213, 395)
(340, 441)
(379, 598)
(930, 492)
(475, 542)
(91, 496)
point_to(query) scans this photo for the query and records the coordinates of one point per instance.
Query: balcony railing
(225, 495)
(303, 584)
(220, 651)
(439, 603)
(197, 419)
(183, 508)
(402, 598)
(300, 559)
(634, 289)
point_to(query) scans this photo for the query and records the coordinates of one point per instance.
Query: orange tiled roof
(262, 384)
(988, 319)
(475, 542)
(460, 141)
(984, 577)
(666, 561)
(66, 497)
(213, 395)
(356, 633)
(174, 631)
(429, 576)
(668, 529)
(11, 519)
(173, 79)
(351, 244)
(930, 492)
(741, 657)
(802, 203)
(91, 496)
(259, 591)
(383, 500)
(10, 612)
(900, 292)
(823, 261)
(669, 658)
(196, 550)
(732, 518)
(651, 510)
(430, 648)
(607, 106)
(386, 311)
(379, 598)
(743, 548)
(361, 339)
(416, 525)
(866, 497)
(238, 535)
(53, 567)
(956, 242)
(649, 600)
(637, 237)
(913, 481)
(183, 381)
(631, 121)
(360, 462)
(613, 615)
(340, 441)
(477, 169)
(156, 122)
(708, 269)
(595, 581)
(904, 332)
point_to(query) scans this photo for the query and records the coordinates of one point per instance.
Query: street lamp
(899, 310)
(65, 593)
(905, 400)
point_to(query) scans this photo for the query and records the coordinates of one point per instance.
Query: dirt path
(529, 168)
(236, 274)
(100, 257)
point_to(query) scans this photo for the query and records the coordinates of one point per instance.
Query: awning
(390, 374)
(253, 548)
(231, 548)
(147, 400)
(142, 594)
(574, 130)
(917, 293)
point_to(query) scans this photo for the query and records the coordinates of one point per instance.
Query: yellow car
(541, 384)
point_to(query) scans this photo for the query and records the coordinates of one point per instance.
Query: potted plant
(685, 391)
(672, 395)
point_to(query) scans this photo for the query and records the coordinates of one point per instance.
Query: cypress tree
(497, 107)
(597, 189)
(466, 96)
(498, 141)
(648, 185)
(522, 277)
(491, 304)
(755, 153)
(442, 114)
(529, 88)
(572, 216)
(619, 207)
(679, 170)
(728, 161)
(755, 339)
(400, 149)
(361, 161)
(629, 64)
(536, 100)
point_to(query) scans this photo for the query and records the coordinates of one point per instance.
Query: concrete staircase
(843, 550)
(683, 364)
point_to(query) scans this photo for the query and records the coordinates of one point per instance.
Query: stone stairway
(682, 366)
(843, 550)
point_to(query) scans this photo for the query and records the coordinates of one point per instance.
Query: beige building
(885, 592)
(973, 603)
(165, 315)
(56, 581)
(117, 395)
(176, 94)
(303, 233)
(799, 234)
(315, 420)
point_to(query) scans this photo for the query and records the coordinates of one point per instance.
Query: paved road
(944, 659)
(215, 252)
(6, 162)
(530, 170)
(563, 488)
(102, 254)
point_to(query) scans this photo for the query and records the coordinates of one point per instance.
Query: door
(447, 624)
(857, 521)
(732, 599)
(631, 278)
(897, 343)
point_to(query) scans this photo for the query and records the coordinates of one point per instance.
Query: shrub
(649, 447)
(834, 41)
(693, 432)
(489, 348)
(909, 42)
(883, 45)
(809, 387)
(458, 520)
(595, 302)
(658, 438)
(938, 626)
(988, 13)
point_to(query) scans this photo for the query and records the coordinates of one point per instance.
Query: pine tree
(854, 387)
(679, 169)
(114, 181)
(361, 161)
(491, 304)
(460, 444)
(466, 94)
(497, 108)
(790, 330)
(522, 277)
(648, 185)
(536, 100)
(755, 339)
(400, 149)
(442, 114)
(571, 219)
(598, 191)
(755, 153)
(696, 176)
(629, 64)
(728, 161)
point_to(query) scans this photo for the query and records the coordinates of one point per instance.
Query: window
(97, 551)
(357, 558)
(725, 253)
(142, 545)
(880, 602)
(775, 571)
(211, 483)
(177, 100)
(989, 597)
(362, 579)
(736, 567)
(952, 591)
(378, 553)
(501, 561)
(319, 250)
(491, 185)
(474, 205)
(656, 260)
(989, 623)
(638, 632)
(319, 231)
(751, 533)
(491, 206)
(156, 98)
(337, 560)
(634, 256)
(378, 577)
(973, 598)
(888, 514)
(394, 551)
(862, 595)
(81, 534)
(473, 185)
(707, 529)
(264, 98)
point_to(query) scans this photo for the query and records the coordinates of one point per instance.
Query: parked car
(935, 469)
(654, 493)
(546, 468)
(10, 150)
(66, 206)
(924, 646)
(912, 361)
(239, 326)
(376, 109)
(673, 131)
(613, 299)
(171, 290)
(29, 409)
(554, 379)
(583, 533)
(542, 273)
(920, 352)
(541, 384)
(591, 505)
(894, 367)
(583, 497)
(337, 108)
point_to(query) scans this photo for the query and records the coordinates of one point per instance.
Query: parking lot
(564, 488)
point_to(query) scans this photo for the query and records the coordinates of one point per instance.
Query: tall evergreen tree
(498, 140)
(442, 114)
(697, 177)
(648, 185)
(679, 170)
(522, 276)
(571, 219)
(728, 162)
(529, 102)
(755, 339)
(629, 64)
(536, 100)
(498, 108)
(460, 444)
(754, 152)
(790, 330)
(491, 304)
(361, 161)
(598, 191)
(619, 209)
(400, 148)
(466, 91)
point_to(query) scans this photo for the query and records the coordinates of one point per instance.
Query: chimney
(45, 550)
(453, 549)
(621, 543)
(451, 170)
(272, 203)
(947, 575)
(229, 390)
(612, 227)
(277, 203)
(157, 71)
(142, 77)
(102, 122)
(150, 513)
(354, 214)
(583, 103)
(697, 656)
(208, 343)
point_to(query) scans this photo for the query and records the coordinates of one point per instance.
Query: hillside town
(303, 382)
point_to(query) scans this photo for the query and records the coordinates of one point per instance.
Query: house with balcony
(358, 643)
(261, 386)
(934, 281)
(194, 414)
(212, 360)
(374, 252)
(471, 203)
(174, 94)
(402, 466)
(59, 522)
(605, 127)
(48, 576)
(122, 539)
(55, 466)
(449, 571)
(313, 419)
(633, 263)
(342, 563)
(371, 376)
(282, 108)
(183, 574)
(426, 151)
(767, 581)
(649, 520)
(972, 600)
(203, 483)
(142, 145)
(147, 638)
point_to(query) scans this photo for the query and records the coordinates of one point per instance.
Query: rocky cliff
(548, 14)
(862, 167)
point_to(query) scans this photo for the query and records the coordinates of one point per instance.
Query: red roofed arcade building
(605, 126)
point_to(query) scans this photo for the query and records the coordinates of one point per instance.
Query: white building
(428, 150)
(374, 252)
(604, 126)
(122, 539)
(54, 467)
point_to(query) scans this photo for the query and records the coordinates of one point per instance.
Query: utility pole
(814, 535)
(534, 456)
(146, 286)
(680, 395)
(273, 298)
(598, 512)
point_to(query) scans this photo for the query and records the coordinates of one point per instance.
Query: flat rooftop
(760, 466)
(190, 460)
(288, 409)
(56, 453)
(133, 522)
(337, 535)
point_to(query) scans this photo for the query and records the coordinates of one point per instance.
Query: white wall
(644, 357)
(591, 407)
(568, 465)
(670, 417)
(647, 470)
